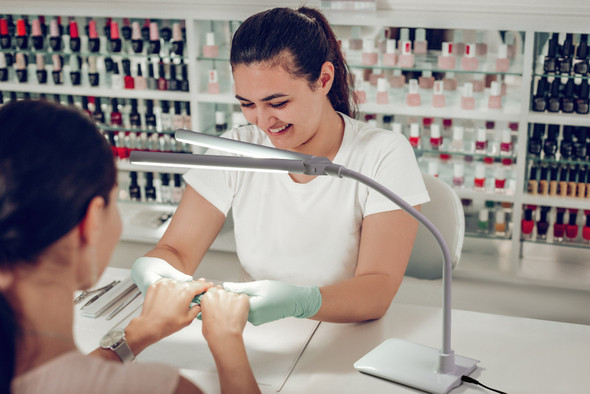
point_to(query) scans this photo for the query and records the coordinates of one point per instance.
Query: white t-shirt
(309, 234)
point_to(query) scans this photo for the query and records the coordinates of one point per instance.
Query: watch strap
(124, 352)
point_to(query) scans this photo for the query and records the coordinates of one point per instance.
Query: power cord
(468, 379)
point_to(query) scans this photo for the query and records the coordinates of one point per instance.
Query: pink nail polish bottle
(369, 56)
(213, 85)
(481, 48)
(458, 44)
(449, 81)
(397, 80)
(376, 73)
(406, 59)
(479, 181)
(360, 93)
(426, 80)
(382, 96)
(469, 62)
(420, 43)
(436, 139)
(502, 62)
(458, 174)
(438, 97)
(355, 43)
(447, 60)
(481, 141)
(467, 99)
(210, 49)
(478, 85)
(457, 144)
(495, 99)
(414, 135)
(390, 55)
(413, 97)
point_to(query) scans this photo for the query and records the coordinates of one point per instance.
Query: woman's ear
(90, 226)
(6, 277)
(326, 77)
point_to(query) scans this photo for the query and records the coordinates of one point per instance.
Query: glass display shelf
(145, 56)
(570, 244)
(557, 161)
(541, 73)
(553, 201)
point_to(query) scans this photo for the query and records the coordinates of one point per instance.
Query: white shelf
(565, 202)
(560, 119)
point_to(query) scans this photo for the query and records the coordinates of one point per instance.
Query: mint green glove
(147, 270)
(272, 300)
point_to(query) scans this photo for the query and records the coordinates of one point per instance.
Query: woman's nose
(265, 118)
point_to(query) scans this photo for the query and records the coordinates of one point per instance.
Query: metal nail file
(110, 298)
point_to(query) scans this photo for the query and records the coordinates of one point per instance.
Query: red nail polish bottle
(586, 229)
(527, 224)
(74, 37)
(558, 226)
(571, 230)
(22, 40)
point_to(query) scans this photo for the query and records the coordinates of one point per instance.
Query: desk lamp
(408, 363)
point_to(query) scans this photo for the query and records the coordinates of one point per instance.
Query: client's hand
(224, 314)
(147, 270)
(272, 300)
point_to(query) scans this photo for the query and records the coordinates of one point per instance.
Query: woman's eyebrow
(268, 98)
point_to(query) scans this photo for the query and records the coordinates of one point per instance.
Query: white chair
(445, 211)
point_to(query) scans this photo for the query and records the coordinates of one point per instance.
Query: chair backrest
(445, 211)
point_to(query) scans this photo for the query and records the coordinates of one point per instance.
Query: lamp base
(413, 365)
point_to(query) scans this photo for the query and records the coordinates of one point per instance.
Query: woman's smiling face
(286, 108)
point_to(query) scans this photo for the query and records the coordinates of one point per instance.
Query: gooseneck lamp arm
(444, 373)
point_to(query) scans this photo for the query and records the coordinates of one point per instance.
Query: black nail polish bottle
(5, 36)
(150, 190)
(134, 119)
(582, 101)
(580, 143)
(566, 147)
(553, 102)
(581, 65)
(150, 117)
(539, 100)
(75, 74)
(134, 192)
(564, 61)
(535, 141)
(549, 65)
(567, 100)
(550, 143)
(173, 82)
(98, 115)
(108, 64)
(184, 81)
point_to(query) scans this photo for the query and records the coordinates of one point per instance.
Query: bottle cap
(368, 45)
(468, 89)
(390, 46)
(420, 35)
(74, 29)
(483, 215)
(36, 29)
(177, 33)
(458, 170)
(114, 30)
(154, 31)
(414, 130)
(219, 117)
(495, 88)
(447, 48)
(470, 50)
(433, 168)
(480, 170)
(382, 85)
(458, 133)
(435, 131)
(21, 28)
(502, 51)
(92, 33)
(481, 134)
(135, 31)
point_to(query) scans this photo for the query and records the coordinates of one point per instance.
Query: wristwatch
(115, 340)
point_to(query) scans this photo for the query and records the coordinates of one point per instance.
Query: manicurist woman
(59, 224)
(321, 248)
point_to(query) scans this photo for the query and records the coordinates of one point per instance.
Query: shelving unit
(530, 29)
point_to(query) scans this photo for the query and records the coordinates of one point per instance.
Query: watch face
(111, 338)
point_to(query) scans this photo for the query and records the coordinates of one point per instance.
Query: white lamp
(411, 364)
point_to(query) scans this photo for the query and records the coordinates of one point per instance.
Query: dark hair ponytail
(301, 41)
(53, 162)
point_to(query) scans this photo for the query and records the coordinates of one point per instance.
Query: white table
(517, 355)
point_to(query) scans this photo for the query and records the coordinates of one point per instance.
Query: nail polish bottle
(533, 185)
(136, 38)
(495, 98)
(567, 100)
(93, 75)
(566, 147)
(438, 96)
(5, 37)
(41, 72)
(134, 117)
(213, 83)
(145, 30)
(152, 83)
(154, 38)
(564, 61)
(98, 115)
(134, 191)
(404, 35)
(433, 168)
(360, 93)
(355, 42)
(586, 229)
(397, 80)
(220, 122)
(74, 37)
(571, 229)
(469, 61)
(550, 63)
(543, 224)
(116, 116)
(21, 68)
(415, 135)
(382, 95)
(457, 143)
(413, 97)
(177, 118)
(544, 181)
(527, 224)
(553, 101)
(162, 82)
(483, 221)
(481, 48)
(581, 103)
(581, 185)
(126, 32)
(572, 181)
(580, 150)
(426, 80)
(581, 65)
(116, 79)
(177, 41)
(406, 58)
(150, 190)
(436, 139)
(553, 184)
(177, 189)
(502, 61)
(115, 41)
(150, 117)
(535, 144)
(390, 55)
(481, 141)
(500, 224)
(563, 177)
(75, 75)
(479, 181)
(369, 55)
(467, 99)
(22, 40)
(458, 174)
(420, 43)
(500, 180)
(550, 143)
(506, 144)
(187, 117)
(93, 39)
(449, 81)
(447, 60)
(559, 226)
(37, 38)
(540, 98)
(173, 83)
(184, 86)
